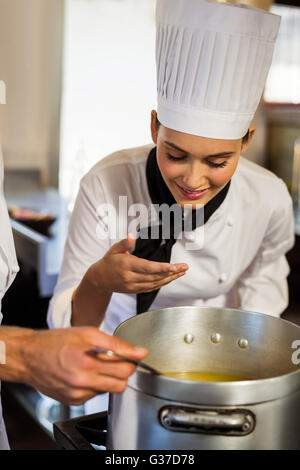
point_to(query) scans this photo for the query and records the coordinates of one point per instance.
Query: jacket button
(223, 277)
(229, 222)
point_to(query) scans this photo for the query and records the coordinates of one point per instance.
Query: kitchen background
(78, 82)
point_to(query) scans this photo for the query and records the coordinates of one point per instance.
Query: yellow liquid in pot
(205, 376)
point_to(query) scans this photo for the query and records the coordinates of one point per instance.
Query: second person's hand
(58, 363)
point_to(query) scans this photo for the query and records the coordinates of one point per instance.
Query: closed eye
(170, 157)
(211, 164)
(217, 165)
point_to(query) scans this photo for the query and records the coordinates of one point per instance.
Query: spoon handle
(110, 353)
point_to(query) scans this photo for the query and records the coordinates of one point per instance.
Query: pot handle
(208, 421)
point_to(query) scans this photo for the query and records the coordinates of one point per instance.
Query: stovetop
(83, 433)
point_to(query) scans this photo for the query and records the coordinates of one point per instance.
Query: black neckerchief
(154, 249)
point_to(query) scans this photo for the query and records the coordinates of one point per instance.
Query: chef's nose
(194, 177)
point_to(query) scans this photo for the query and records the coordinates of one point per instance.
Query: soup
(205, 376)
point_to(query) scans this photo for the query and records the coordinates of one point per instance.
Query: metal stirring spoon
(141, 364)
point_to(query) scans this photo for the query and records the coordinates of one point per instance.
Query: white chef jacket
(243, 252)
(8, 270)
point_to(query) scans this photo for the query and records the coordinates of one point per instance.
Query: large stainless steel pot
(159, 412)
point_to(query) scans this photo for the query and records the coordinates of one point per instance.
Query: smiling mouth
(191, 192)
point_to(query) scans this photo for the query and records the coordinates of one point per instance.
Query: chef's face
(195, 168)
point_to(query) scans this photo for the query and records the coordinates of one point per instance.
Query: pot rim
(221, 393)
(189, 307)
(216, 393)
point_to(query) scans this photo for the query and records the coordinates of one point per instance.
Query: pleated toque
(212, 63)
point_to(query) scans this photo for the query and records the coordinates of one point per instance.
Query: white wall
(109, 82)
(30, 66)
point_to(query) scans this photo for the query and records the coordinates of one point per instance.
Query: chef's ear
(246, 142)
(154, 126)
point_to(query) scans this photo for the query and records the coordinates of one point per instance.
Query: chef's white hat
(212, 64)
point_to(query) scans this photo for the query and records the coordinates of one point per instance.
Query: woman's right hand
(120, 271)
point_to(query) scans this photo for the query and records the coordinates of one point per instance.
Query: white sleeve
(263, 286)
(83, 248)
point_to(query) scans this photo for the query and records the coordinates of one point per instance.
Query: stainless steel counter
(35, 250)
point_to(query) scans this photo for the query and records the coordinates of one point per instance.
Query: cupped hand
(120, 271)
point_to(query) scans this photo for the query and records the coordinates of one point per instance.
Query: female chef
(212, 63)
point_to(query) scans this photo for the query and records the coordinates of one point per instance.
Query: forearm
(89, 302)
(14, 344)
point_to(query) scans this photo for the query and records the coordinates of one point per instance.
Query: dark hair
(244, 140)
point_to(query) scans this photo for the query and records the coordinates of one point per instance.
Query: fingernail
(140, 349)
